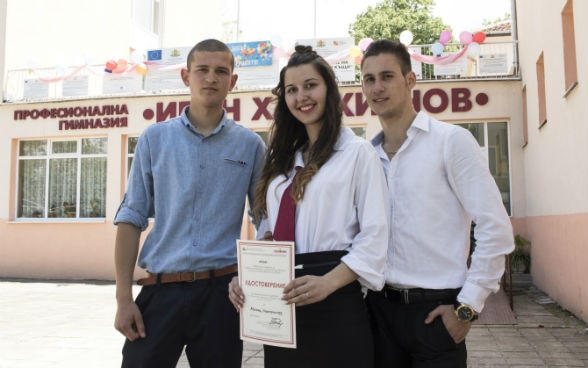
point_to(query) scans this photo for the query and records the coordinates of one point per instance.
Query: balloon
(437, 48)
(479, 37)
(121, 66)
(110, 66)
(465, 37)
(445, 36)
(474, 49)
(354, 51)
(406, 37)
(364, 43)
(141, 69)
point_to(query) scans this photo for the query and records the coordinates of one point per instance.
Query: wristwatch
(464, 312)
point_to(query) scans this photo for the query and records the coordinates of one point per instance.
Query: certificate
(265, 268)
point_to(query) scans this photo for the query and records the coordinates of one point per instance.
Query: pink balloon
(364, 43)
(445, 36)
(465, 38)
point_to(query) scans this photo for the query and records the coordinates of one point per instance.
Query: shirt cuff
(474, 295)
(129, 216)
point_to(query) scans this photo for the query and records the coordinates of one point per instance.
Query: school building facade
(65, 160)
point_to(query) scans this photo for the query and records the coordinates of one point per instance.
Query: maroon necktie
(285, 229)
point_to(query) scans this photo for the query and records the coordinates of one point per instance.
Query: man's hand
(129, 321)
(236, 294)
(457, 329)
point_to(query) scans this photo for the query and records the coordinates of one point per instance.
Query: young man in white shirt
(438, 182)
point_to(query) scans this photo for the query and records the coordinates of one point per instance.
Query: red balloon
(479, 37)
(111, 65)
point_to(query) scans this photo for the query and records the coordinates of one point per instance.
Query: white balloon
(474, 49)
(406, 37)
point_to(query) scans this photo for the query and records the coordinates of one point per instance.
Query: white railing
(496, 60)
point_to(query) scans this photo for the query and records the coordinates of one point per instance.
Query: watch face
(465, 313)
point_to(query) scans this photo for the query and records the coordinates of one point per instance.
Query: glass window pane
(63, 187)
(498, 159)
(93, 187)
(132, 144)
(64, 147)
(93, 146)
(477, 130)
(264, 134)
(65, 182)
(32, 148)
(31, 188)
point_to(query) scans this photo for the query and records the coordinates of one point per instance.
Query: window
(264, 134)
(569, 46)
(541, 91)
(525, 118)
(62, 178)
(131, 144)
(493, 140)
(145, 15)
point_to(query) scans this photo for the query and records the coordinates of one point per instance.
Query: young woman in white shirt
(341, 227)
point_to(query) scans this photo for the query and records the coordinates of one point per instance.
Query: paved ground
(69, 325)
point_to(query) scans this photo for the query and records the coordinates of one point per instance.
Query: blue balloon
(437, 48)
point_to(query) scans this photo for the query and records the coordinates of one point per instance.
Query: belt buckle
(405, 298)
(193, 277)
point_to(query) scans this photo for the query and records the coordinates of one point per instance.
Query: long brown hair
(288, 134)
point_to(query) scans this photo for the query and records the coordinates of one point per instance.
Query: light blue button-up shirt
(195, 188)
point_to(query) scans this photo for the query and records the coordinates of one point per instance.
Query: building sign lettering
(434, 100)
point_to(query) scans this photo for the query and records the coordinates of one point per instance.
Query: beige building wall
(84, 248)
(555, 160)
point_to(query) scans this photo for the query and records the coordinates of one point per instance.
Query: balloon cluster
(356, 52)
(472, 41)
(122, 65)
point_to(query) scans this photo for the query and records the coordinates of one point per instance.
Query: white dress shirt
(438, 183)
(344, 208)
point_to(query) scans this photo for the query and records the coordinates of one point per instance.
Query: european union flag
(153, 55)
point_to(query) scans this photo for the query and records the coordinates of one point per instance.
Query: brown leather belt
(164, 278)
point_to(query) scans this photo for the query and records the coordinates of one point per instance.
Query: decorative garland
(470, 41)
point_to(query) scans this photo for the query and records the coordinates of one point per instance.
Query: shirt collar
(345, 135)
(420, 122)
(223, 122)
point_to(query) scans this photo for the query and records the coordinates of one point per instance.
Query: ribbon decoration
(438, 60)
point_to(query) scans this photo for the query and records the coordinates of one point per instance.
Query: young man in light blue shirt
(192, 174)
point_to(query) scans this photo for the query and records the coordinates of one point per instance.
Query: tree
(504, 18)
(390, 17)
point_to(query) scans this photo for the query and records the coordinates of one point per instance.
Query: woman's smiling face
(305, 93)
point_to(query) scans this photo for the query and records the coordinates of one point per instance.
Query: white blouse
(345, 207)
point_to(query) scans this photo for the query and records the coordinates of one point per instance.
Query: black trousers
(403, 340)
(332, 333)
(197, 315)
